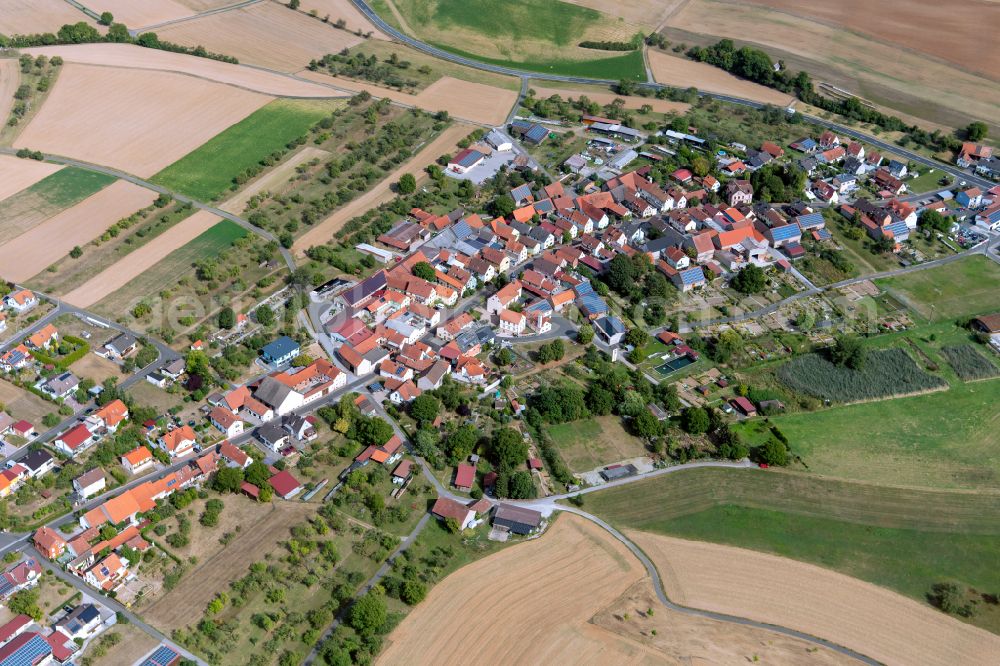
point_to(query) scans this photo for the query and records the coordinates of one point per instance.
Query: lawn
(174, 266)
(961, 288)
(628, 66)
(208, 171)
(903, 539)
(590, 443)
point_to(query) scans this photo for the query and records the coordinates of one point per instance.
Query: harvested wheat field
(470, 101)
(343, 9)
(23, 17)
(136, 57)
(683, 73)
(872, 620)
(604, 97)
(199, 6)
(647, 13)
(138, 14)
(689, 639)
(10, 77)
(273, 180)
(35, 249)
(381, 192)
(465, 100)
(17, 174)
(266, 34)
(132, 265)
(950, 30)
(213, 575)
(562, 599)
(883, 73)
(137, 121)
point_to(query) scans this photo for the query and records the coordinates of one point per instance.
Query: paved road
(722, 617)
(372, 16)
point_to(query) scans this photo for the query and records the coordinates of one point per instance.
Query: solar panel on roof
(162, 656)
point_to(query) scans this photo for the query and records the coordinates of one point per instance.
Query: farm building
(465, 476)
(517, 519)
(445, 508)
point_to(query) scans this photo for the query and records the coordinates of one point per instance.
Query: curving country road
(371, 15)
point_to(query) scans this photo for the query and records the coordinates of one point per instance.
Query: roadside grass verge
(212, 169)
(903, 539)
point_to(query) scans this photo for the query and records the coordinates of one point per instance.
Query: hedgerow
(885, 373)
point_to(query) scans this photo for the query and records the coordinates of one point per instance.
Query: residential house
(971, 153)
(507, 295)
(138, 460)
(610, 329)
(280, 351)
(15, 359)
(20, 301)
(43, 338)
(178, 442)
(445, 508)
(108, 417)
(226, 422)
(38, 462)
(107, 574)
(512, 323)
(402, 473)
(61, 385)
(739, 192)
(970, 198)
(120, 346)
(73, 441)
(90, 483)
(273, 436)
(49, 542)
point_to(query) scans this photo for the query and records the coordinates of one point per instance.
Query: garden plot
(137, 121)
(31, 252)
(266, 34)
(137, 57)
(273, 180)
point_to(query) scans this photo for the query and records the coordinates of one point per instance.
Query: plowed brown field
(137, 121)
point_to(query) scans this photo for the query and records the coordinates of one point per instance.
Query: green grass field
(961, 288)
(207, 172)
(56, 192)
(69, 186)
(902, 539)
(174, 266)
(628, 66)
(535, 35)
(591, 443)
(947, 439)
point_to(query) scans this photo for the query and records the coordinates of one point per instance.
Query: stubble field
(342, 9)
(900, 79)
(135, 263)
(17, 174)
(23, 17)
(140, 14)
(677, 71)
(266, 34)
(564, 598)
(136, 57)
(767, 588)
(32, 251)
(137, 121)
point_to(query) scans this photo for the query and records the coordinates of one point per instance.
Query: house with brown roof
(226, 422)
(445, 508)
(49, 542)
(90, 483)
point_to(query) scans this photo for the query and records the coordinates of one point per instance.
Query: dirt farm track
(574, 596)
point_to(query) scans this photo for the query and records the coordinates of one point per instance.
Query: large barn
(517, 519)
